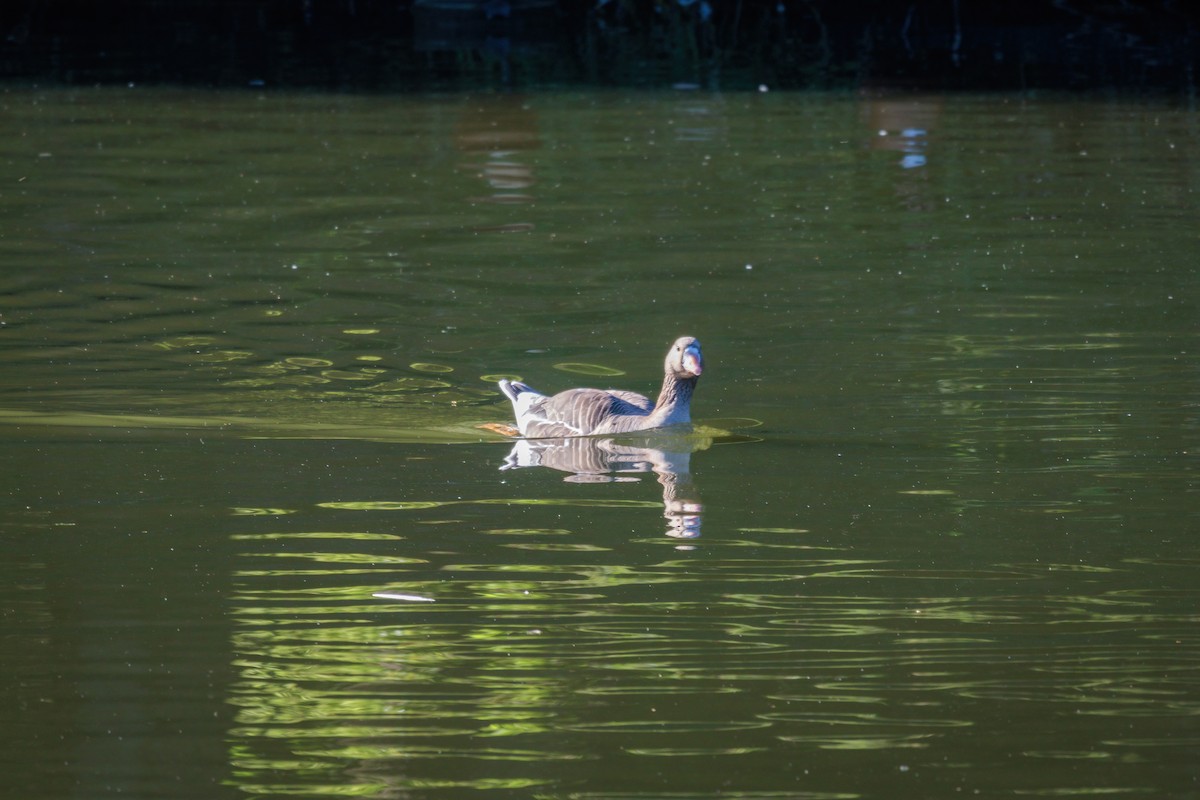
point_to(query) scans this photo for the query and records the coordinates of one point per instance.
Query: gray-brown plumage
(585, 412)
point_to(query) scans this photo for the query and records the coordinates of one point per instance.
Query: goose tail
(513, 388)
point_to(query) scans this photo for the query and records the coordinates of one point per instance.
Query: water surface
(257, 544)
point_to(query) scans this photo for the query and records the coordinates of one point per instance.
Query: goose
(585, 412)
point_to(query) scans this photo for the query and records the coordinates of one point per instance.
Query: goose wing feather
(578, 412)
(634, 399)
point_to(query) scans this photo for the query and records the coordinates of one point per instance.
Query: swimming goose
(584, 412)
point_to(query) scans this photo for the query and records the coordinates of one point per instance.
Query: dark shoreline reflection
(667, 454)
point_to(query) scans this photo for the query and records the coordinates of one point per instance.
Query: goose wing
(581, 412)
(634, 399)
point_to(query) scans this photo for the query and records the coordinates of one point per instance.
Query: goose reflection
(613, 459)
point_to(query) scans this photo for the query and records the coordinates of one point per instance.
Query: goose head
(684, 359)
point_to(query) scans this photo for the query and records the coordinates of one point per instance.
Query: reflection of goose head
(683, 518)
(597, 460)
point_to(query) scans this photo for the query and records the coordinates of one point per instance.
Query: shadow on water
(666, 453)
(250, 427)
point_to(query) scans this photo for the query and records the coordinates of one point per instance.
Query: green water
(942, 502)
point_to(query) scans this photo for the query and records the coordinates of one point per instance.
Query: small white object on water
(408, 598)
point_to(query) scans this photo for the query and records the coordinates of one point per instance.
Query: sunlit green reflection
(702, 752)
(596, 370)
(361, 536)
(307, 789)
(528, 531)
(403, 751)
(910, 741)
(410, 505)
